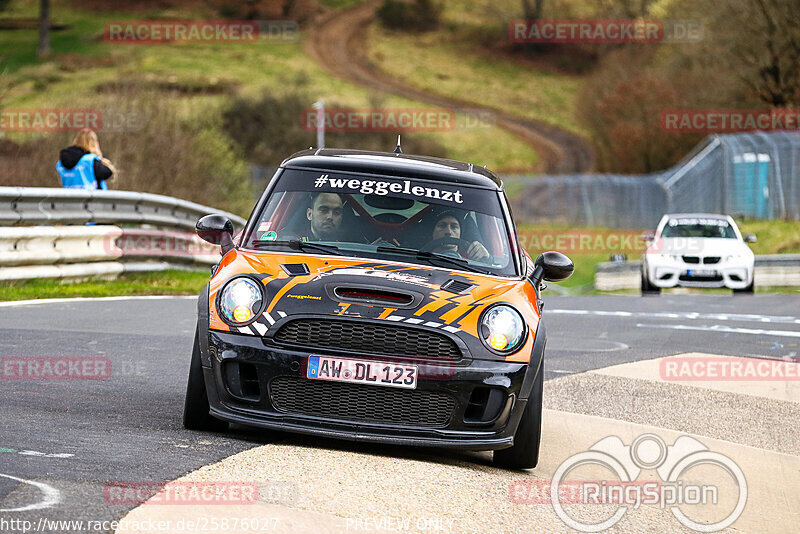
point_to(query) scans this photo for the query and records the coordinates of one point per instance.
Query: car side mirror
(648, 236)
(750, 238)
(217, 230)
(553, 267)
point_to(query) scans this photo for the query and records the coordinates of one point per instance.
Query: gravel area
(442, 492)
(748, 420)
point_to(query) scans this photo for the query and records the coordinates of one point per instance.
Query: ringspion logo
(683, 489)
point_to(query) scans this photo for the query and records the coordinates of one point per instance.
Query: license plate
(362, 372)
(701, 272)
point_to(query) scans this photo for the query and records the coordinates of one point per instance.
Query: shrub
(269, 129)
(409, 15)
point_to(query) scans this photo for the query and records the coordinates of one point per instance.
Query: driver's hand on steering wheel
(477, 251)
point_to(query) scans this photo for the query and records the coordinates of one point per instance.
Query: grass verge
(172, 282)
(447, 62)
(82, 62)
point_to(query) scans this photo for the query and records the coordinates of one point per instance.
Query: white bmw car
(698, 250)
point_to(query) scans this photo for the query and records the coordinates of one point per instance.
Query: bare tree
(758, 43)
(44, 29)
(532, 12)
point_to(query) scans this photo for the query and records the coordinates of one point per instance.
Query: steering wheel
(463, 244)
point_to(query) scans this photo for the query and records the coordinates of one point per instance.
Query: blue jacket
(80, 169)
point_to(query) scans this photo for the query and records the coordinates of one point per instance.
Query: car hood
(699, 246)
(353, 288)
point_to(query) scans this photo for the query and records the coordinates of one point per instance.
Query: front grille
(368, 404)
(710, 260)
(695, 278)
(691, 259)
(388, 340)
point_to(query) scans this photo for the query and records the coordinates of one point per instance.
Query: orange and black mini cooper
(379, 297)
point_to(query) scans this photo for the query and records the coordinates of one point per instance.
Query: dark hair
(312, 197)
(446, 213)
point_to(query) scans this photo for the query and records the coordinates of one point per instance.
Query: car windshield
(698, 227)
(395, 219)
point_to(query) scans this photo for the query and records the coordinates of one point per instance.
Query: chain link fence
(753, 175)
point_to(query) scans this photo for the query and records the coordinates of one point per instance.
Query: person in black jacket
(82, 165)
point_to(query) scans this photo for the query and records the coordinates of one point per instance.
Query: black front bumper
(478, 403)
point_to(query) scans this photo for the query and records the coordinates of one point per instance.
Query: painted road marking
(783, 319)
(88, 299)
(26, 452)
(50, 495)
(722, 329)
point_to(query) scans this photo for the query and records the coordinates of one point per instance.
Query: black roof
(391, 164)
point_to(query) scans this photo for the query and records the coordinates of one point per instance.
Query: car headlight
(240, 301)
(502, 329)
(734, 257)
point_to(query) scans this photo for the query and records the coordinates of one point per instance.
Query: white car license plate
(701, 272)
(362, 372)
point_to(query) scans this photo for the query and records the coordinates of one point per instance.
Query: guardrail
(46, 205)
(771, 270)
(44, 233)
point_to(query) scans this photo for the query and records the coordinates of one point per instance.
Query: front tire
(647, 287)
(524, 454)
(195, 408)
(749, 290)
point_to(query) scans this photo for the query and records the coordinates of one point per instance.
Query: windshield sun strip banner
(428, 191)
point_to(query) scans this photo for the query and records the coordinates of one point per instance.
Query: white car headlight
(668, 257)
(240, 301)
(502, 328)
(735, 257)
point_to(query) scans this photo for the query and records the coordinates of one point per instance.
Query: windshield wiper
(422, 254)
(296, 244)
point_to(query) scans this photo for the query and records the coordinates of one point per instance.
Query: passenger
(448, 225)
(82, 165)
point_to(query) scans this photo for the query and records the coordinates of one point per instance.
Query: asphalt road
(76, 436)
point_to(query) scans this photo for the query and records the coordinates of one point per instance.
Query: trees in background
(748, 58)
(43, 49)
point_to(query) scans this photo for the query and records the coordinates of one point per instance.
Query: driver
(447, 225)
(325, 217)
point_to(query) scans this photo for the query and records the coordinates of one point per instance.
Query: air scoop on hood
(375, 296)
(457, 286)
(295, 269)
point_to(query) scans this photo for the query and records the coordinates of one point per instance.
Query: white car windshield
(698, 227)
